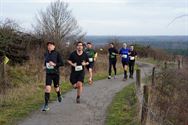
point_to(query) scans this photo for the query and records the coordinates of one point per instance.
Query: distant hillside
(173, 44)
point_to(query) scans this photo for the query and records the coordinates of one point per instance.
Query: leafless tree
(57, 23)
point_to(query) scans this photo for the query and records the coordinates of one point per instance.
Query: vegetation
(123, 109)
(169, 97)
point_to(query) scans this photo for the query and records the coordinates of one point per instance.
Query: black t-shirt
(55, 57)
(112, 53)
(78, 59)
(132, 54)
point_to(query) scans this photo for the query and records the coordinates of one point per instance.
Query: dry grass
(170, 97)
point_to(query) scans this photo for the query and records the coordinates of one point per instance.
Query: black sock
(47, 97)
(78, 97)
(125, 74)
(58, 94)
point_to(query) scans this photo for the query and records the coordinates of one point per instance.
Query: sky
(110, 17)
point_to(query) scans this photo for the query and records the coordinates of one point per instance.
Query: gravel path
(92, 109)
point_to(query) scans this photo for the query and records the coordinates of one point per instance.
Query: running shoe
(78, 100)
(60, 98)
(109, 77)
(45, 108)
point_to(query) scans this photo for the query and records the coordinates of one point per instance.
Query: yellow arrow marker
(6, 60)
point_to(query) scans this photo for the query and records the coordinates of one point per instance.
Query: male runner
(78, 60)
(113, 52)
(92, 58)
(124, 53)
(132, 56)
(53, 61)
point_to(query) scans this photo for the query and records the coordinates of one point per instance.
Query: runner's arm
(60, 61)
(72, 64)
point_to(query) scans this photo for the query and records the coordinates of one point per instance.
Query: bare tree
(57, 23)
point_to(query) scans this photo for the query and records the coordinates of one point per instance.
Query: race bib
(132, 58)
(114, 54)
(48, 66)
(90, 59)
(78, 68)
(124, 56)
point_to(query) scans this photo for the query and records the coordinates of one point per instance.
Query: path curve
(92, 109)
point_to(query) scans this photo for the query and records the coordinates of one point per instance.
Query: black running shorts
(52, 78)
(77, 77)
(90, 66)
(124, 63)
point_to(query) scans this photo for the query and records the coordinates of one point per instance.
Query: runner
(53, 61)
(124, 53)
(92, 58)
(78, 60)
(113, 52)
(132, 56)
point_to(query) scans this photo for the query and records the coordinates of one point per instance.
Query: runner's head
(124, 45)
(132, 47)
(89, 45)
(111, 45)
(50, 46)
(80, 46)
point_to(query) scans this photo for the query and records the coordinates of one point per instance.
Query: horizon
(110, 18)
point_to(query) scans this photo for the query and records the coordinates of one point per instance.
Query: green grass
(123, 109)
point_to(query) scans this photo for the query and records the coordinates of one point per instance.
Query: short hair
(50, 42)
(89, 43)
(79, 43)
(112, 44)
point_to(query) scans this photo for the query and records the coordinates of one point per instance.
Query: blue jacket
(124, 54)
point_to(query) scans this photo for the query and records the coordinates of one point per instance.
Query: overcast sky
(110, 17)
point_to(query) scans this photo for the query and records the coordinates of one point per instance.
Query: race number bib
(114, 54)
(90, 59)
(78, 68)
(48, 66)
(124, 56)
(132, 58)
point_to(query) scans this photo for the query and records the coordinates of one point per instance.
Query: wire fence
(148, 113)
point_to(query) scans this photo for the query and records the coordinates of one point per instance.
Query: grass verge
(123, 109)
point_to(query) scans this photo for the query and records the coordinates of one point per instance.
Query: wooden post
(145, 105)
(165, 65)
(138, 77)
(182, 61)
(139, 91)
(153, 76)
(179, 64)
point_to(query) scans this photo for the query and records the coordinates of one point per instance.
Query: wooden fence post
(139, 91)
(138, 77)
(153, 76)
(179, 64)
(145, 104)
(165, 65)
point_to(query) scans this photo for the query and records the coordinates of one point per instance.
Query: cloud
(71, 1)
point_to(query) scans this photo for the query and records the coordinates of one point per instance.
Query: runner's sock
(58, 94)
(47, 97)
(78, 97)
(125, 74)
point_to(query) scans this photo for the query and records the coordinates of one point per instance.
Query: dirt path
(92, 110)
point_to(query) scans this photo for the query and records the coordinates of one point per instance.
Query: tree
(57, 23)
(15, 44)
